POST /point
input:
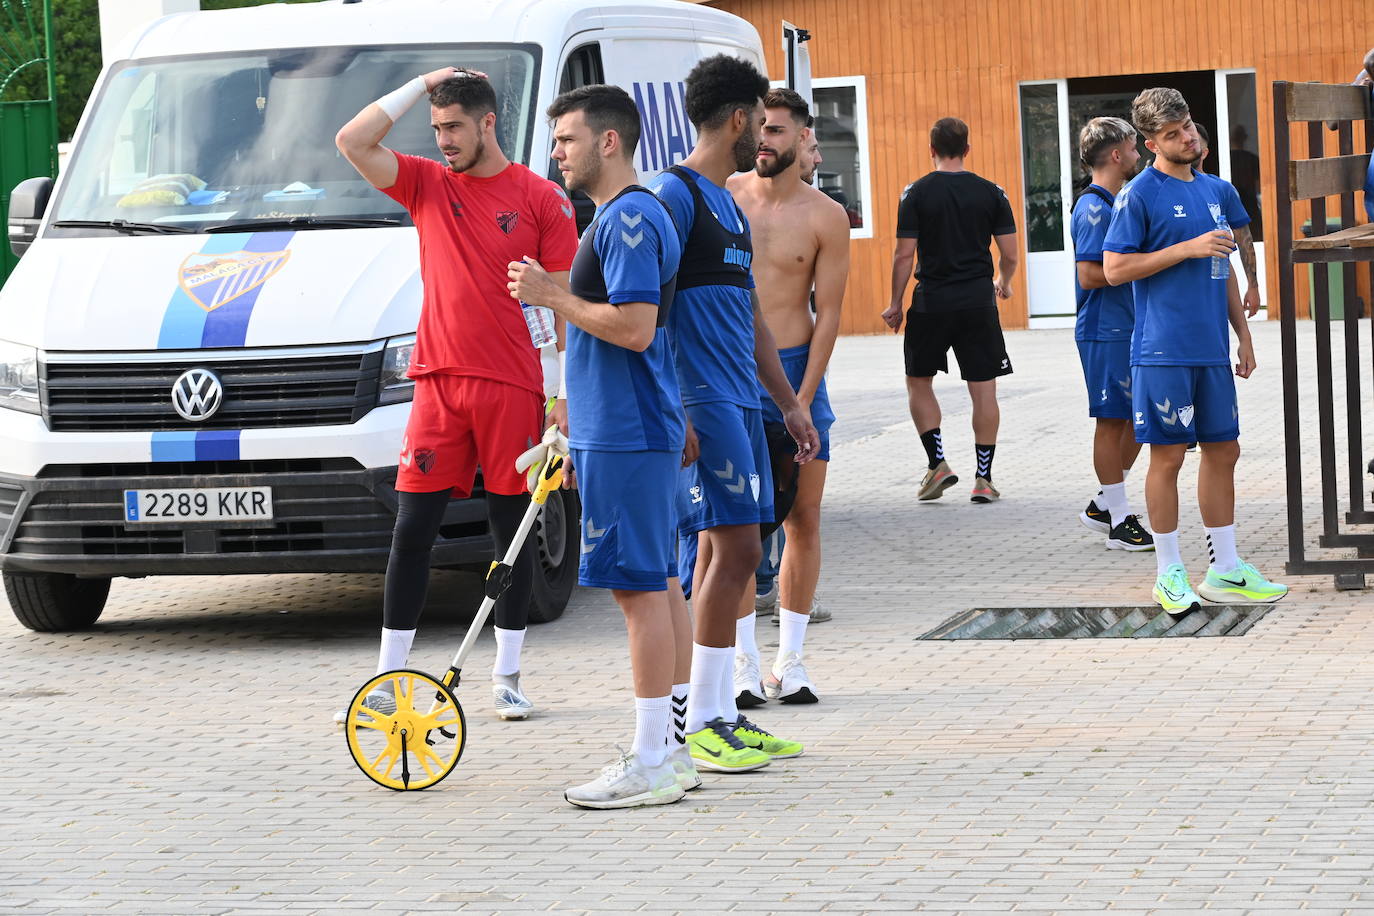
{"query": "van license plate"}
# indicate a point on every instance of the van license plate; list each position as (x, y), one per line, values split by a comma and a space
(201, 504)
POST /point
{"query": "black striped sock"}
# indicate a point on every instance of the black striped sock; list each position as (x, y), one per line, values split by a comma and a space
(985, 453)
(935, 449)
(678, 726)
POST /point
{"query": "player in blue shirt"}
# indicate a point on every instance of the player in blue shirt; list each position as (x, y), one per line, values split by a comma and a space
(1164, 238)
(722, 350)
(626, 425)
(1106, 315)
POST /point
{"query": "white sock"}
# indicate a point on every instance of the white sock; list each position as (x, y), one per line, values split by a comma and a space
(791, 632)
(709, 663)
(1166, 550)
(745, 643)
(652, 715)
(1221, 545)
(728, 710)
(508, 643)
(395, 649)
(1117, 505)
(677, 724)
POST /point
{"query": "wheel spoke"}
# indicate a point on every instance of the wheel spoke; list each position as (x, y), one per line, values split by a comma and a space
(424, 751)
(378, 724)
(374, 765)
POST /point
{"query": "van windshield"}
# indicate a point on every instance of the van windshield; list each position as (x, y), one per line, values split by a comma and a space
(180, 144)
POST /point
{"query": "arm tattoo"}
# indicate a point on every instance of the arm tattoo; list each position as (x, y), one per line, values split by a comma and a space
(1246, 243)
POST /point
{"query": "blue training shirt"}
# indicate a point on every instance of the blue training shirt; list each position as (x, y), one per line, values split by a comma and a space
(620, 400)
(1106, 313)
(1180, 312)
(711, 327)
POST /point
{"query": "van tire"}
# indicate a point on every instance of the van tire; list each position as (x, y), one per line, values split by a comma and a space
(557, 535)
(55, 603)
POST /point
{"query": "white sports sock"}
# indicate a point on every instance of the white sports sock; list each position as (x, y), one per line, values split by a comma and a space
(791, 632)
(728, 710)
(1221, 545)
(709, 664)
(1166, 550)
(508, 643)
(677, 723)
(1117, 505)
(395, 649)
(745, 644)
(652, 715)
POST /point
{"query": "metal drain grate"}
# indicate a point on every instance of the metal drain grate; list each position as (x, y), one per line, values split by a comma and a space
(1097, 622)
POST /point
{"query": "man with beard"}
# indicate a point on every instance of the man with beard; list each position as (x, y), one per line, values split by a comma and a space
(809, 159)
(801, 239)
(722, 350)
(1164, 238)
(479, 389)
(626, 423)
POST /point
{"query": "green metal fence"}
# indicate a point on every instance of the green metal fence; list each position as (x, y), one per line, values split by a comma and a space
(28, 102)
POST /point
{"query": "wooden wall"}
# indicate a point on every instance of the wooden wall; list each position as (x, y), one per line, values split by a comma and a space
(925, 60)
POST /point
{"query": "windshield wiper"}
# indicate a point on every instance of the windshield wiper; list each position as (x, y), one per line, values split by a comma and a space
(302, 222)
(123, 225)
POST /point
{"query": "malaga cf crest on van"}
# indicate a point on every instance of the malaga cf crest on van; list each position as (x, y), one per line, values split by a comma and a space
(213, 280)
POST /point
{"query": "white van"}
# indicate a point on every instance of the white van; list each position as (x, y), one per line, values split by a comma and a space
(203, 349)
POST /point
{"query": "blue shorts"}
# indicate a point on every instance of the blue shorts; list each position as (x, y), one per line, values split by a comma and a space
(1107, 372)
(1181, 404)
(629, 518)
(732, 482)
(794, 360)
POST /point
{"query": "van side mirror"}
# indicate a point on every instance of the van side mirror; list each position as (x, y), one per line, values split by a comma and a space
(28, 203)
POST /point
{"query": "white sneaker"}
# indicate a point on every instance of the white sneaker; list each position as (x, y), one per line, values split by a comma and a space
(685, 768)
(748, 684)
(627, 783)
(380, 700)
(511, 702)
(788, 681)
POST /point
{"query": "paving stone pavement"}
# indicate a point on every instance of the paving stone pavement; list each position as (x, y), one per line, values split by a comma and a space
(180, 757)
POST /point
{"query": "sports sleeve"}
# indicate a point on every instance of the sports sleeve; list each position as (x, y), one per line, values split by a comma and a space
(557, 228)
(410, 177)
(1003, 220)
(627, 244)
(1236, 214)
(1126, 234)
(907, 223)
(673, 191)
(1089, 229)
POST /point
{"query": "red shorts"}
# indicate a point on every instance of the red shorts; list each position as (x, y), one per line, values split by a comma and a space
(458, 422)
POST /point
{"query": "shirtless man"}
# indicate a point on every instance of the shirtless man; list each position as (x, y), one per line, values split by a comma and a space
(801, 238)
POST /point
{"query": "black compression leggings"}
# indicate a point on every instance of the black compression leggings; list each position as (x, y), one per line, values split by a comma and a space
(418, 517)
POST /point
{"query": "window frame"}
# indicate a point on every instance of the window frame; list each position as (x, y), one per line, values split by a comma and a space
(859, 84)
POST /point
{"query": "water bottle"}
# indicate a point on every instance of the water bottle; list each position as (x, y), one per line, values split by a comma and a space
(1221, 267)
(540, 322)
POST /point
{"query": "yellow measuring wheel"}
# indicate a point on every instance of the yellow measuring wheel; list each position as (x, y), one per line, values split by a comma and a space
(405, 729)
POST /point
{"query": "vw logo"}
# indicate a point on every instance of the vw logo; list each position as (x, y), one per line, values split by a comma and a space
(196, 394)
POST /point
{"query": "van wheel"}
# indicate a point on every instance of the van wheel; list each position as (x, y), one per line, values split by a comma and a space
(55, 603)
(557, 533)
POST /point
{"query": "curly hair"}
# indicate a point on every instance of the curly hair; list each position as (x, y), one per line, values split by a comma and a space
(604, 108)
(472, 93)
(1154, 108)
(719, 86)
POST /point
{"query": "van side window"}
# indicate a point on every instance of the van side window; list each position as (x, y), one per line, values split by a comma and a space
(582, 68)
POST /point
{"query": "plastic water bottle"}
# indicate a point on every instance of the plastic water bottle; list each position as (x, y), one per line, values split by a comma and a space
(1221, 267)
(540, 322)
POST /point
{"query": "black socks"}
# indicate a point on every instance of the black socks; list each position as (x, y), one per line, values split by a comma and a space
(985, 453)
(935, 449)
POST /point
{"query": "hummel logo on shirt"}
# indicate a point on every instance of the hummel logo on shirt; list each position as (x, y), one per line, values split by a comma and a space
(1179, 212)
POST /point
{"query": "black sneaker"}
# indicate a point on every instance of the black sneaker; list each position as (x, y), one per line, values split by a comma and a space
(1130, 535)
(1095, 518)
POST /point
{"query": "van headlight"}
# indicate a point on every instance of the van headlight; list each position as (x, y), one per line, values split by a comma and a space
(395, 387)
(19, 378)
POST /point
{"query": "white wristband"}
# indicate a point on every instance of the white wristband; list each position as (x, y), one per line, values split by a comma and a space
(562, 375)
(398, 102)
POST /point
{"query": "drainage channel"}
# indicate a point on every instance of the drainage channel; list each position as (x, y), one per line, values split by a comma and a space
(1097, 622)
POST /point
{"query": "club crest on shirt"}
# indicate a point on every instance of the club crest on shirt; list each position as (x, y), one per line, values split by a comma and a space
(507, 219)
(424, 459)
(1215, 210)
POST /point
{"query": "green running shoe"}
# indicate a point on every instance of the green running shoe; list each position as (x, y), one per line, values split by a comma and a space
(715, 747)
(1173, 592)
(770, 744)
(1244, 583)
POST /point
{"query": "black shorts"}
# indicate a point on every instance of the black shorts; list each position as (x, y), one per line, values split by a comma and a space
(975, 335)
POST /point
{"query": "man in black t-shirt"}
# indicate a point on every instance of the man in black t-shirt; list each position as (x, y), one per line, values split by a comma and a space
(950, 219)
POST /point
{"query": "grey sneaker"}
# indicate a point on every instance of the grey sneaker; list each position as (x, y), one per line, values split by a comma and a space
(627, 783)
(768, 603)
(379, 700)
(511, 702)
(819, 613)
(685, 768)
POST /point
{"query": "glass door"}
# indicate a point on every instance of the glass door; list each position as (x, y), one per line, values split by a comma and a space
(1238, 161)
(1047, 178)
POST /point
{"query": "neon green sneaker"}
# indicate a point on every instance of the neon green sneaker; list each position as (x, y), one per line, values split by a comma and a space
(715, 747)
(770, 744)
(1244, 583)
(1173, 592)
